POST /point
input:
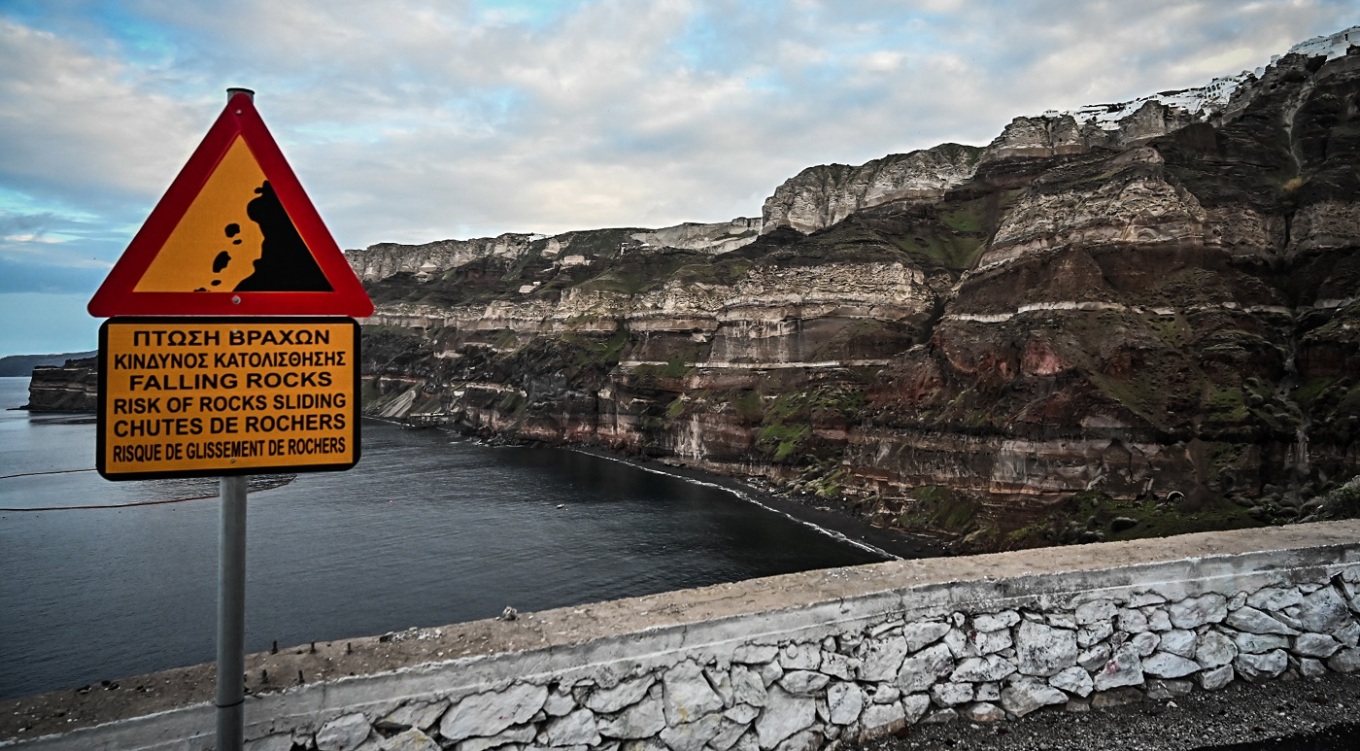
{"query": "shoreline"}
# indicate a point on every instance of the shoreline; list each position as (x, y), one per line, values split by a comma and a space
(825, 519)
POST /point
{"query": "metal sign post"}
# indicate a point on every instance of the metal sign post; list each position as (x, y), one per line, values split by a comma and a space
(231, 615)
(230, 350)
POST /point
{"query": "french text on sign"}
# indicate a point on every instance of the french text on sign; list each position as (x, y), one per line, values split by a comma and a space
(184, 397)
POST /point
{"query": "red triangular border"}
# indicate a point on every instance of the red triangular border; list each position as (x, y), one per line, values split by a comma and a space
(117, 295)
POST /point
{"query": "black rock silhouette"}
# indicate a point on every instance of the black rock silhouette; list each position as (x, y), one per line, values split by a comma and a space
(285, 263)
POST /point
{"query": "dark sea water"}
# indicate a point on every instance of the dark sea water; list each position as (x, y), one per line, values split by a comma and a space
(428, 529)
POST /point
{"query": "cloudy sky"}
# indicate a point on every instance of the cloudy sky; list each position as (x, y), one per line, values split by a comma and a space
(415, 120)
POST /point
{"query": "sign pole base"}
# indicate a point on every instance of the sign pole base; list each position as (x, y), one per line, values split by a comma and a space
(231, 615)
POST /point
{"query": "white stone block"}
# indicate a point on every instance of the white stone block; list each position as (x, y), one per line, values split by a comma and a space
(413, 739)
(914, 707)
(1215, 649)
(990, 642)
(755, 654)
(918, 636)
(844, 701)
(742, 714)
(923, 668)
(1255, 621)
(1324, 611)
(489, 713)
(610, 700)
(838, 665)
(1259, 643)
(1145, 643)
(1345, 661)
(517, 734)
(1311, 668)
(800, 657)
(1042, 650)
(806, 740)
(804, 682)
(980, 669)
(1093, 634)
(1074, 680)
(747, 686)
(343, 733)
(1143, 599)
(1179, 642)
(576, 728)
(885, 694)
(692, 736)
(784, 715)
(1275, 598)
(881, 660)
(422, 715)
(1316, 645)
(1261, 667)
(960, 646)
(1095, 612)
(642, 720)
(1095, 658)
(687, 696)
(1215, 678)
(881, 719)
(1060, 620)
(1158, 620)
(951, 694)
(990, 622)
(558, 704)
(1131, 621)
(1026, 694)
(1194, 612)
(1124, 668)
(1348, 634)
(1168, 665)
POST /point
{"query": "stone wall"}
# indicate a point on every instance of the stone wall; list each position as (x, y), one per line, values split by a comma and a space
(813, 660)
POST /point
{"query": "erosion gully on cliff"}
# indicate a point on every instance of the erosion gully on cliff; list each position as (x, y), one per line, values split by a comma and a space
(1082, 331)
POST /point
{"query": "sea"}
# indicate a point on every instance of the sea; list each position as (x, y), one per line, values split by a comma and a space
(101, 580)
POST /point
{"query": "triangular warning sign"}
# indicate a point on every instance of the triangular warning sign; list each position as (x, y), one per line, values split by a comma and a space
(235, 234)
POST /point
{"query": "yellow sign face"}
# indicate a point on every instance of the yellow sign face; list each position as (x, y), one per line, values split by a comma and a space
(184, 397)
(216, 244)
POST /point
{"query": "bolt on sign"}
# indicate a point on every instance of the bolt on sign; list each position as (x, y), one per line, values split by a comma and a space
(206, 364)
(218, 396)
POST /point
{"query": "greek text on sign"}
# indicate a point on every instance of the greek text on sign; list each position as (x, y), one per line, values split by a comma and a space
(180, 397)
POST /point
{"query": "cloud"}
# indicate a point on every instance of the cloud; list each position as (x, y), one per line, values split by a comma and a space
(413, 121)
(77, 128)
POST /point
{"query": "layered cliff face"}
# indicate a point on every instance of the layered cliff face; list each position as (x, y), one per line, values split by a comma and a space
(1079, 333)
(818, 197)
(73, 387)
(385, 260)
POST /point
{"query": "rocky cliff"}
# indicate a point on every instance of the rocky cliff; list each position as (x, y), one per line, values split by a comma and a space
(1076, 333)
(73, 387)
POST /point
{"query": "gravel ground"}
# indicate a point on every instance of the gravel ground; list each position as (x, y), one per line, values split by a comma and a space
(1320, 714)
